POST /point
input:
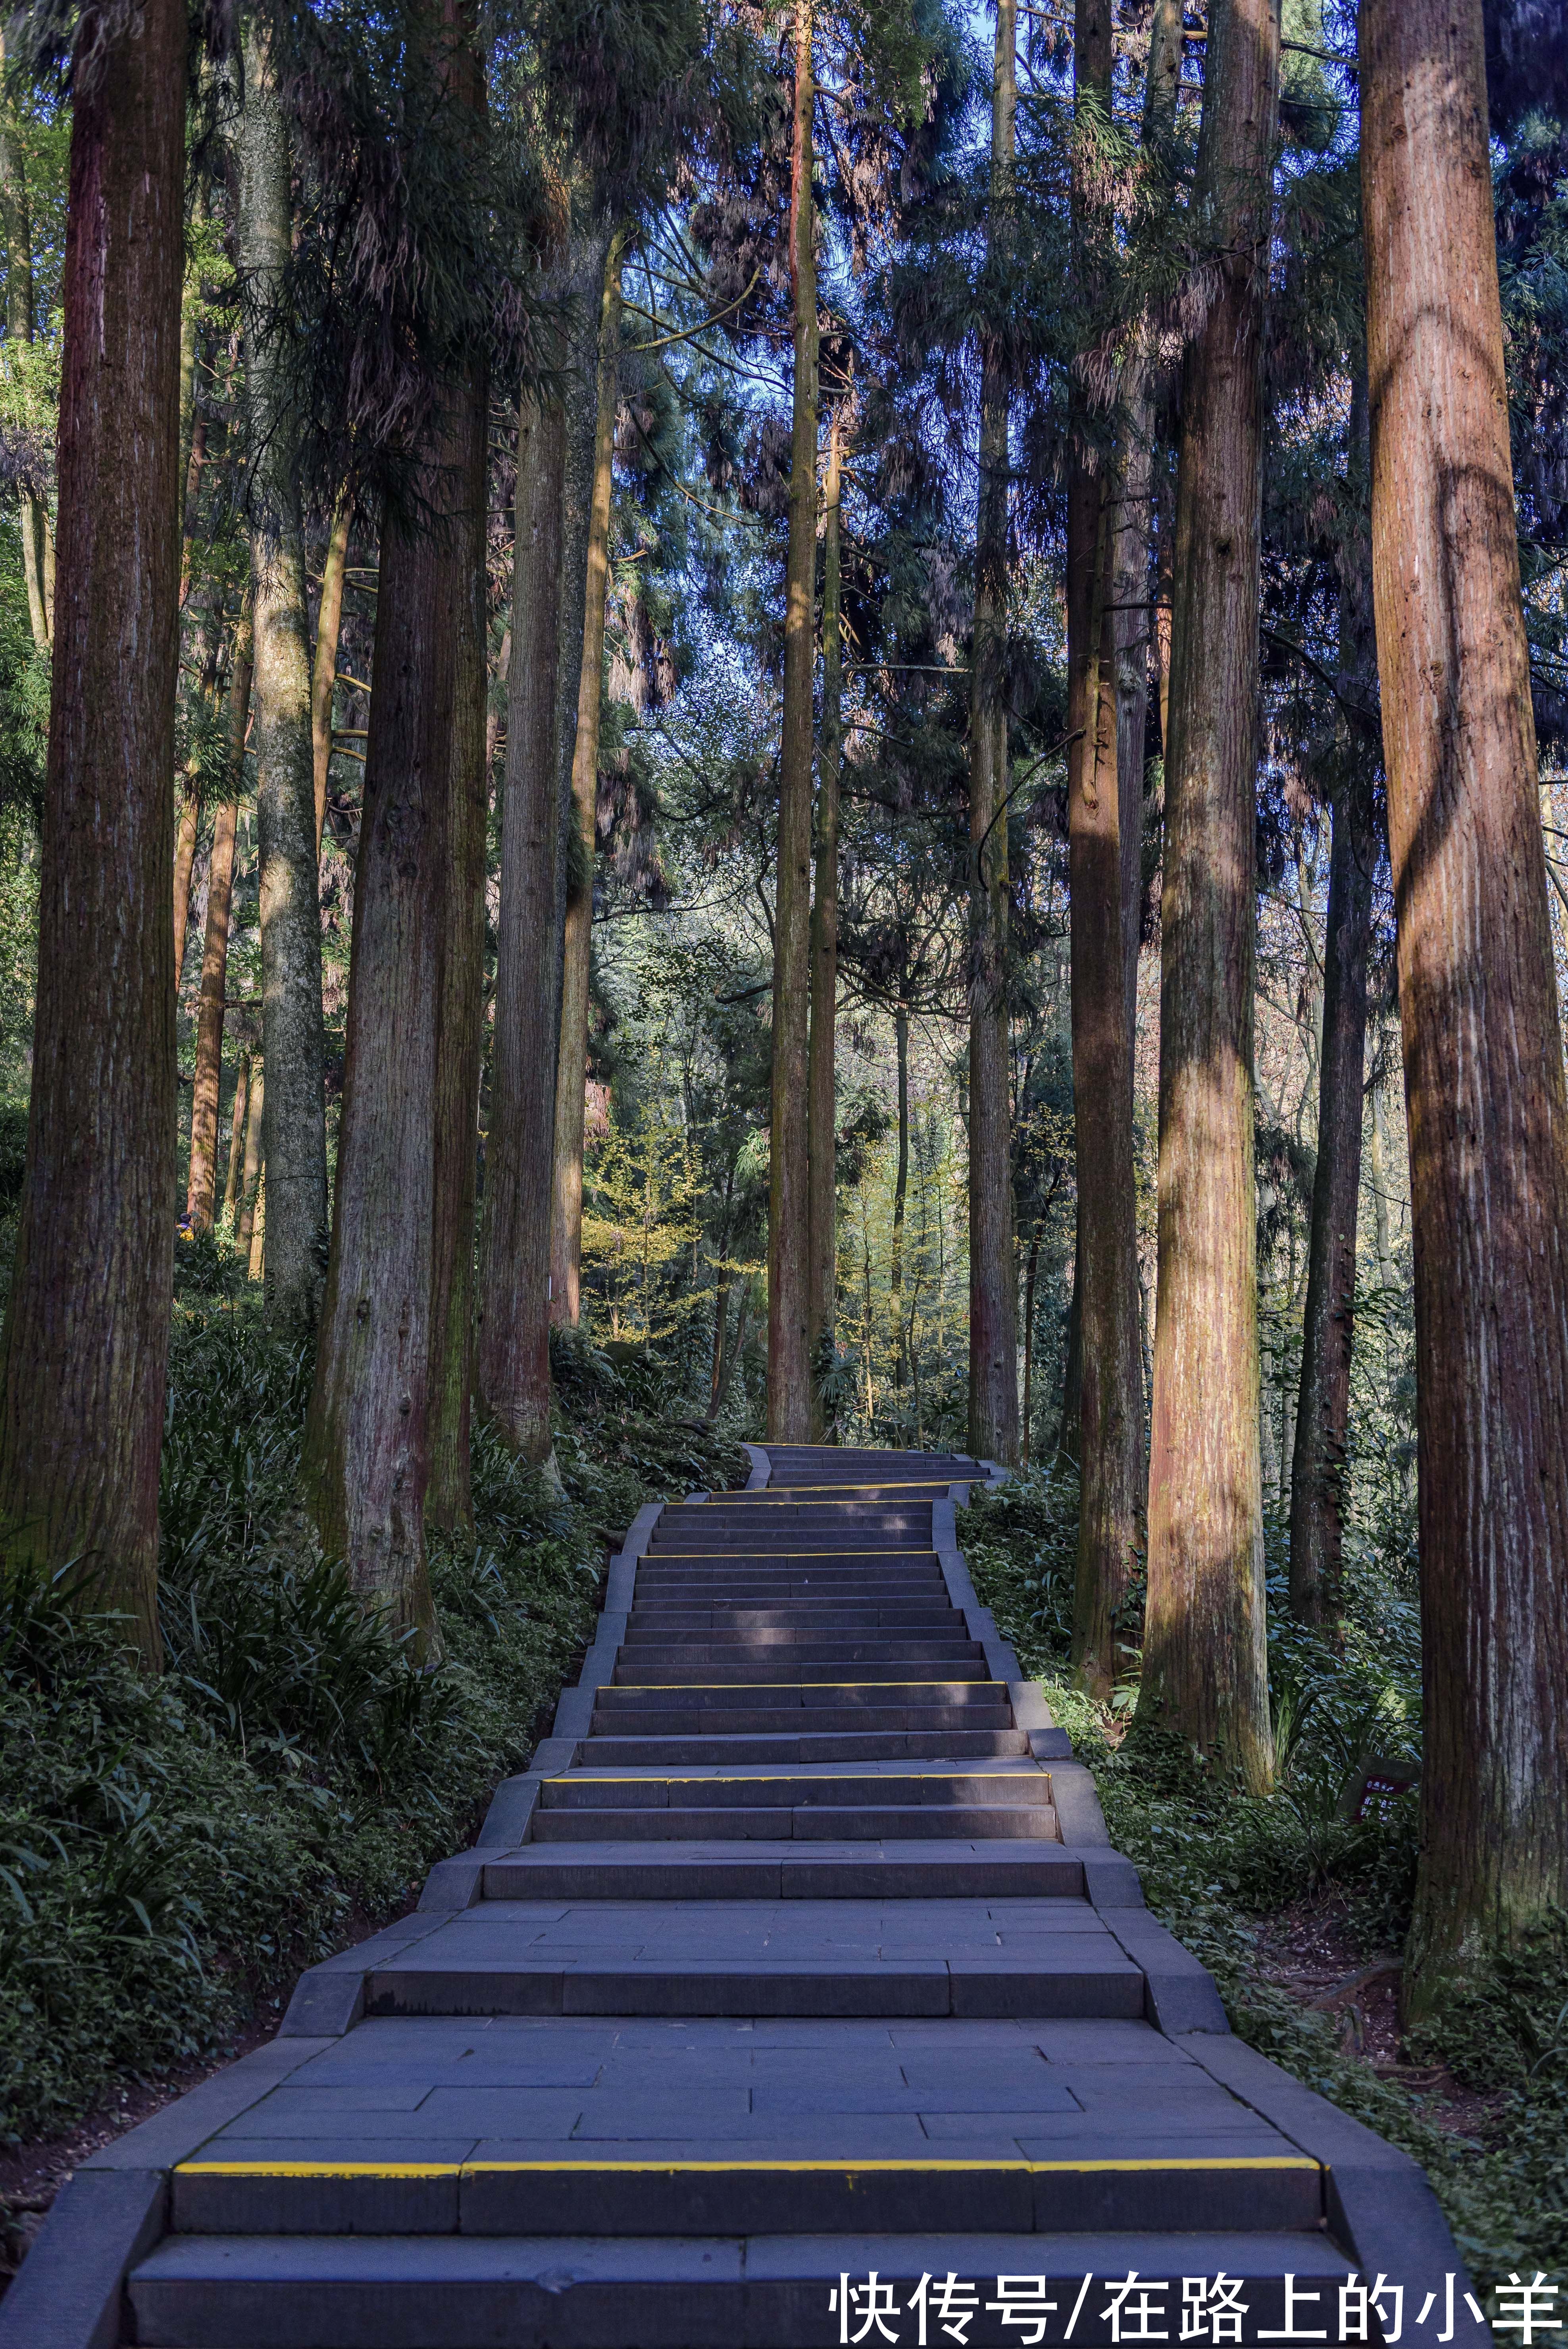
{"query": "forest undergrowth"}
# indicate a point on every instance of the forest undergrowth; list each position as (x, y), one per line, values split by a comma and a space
(174, 1851)
(1489, 2123)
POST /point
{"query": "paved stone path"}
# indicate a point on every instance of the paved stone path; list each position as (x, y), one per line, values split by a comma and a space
(800, 1954)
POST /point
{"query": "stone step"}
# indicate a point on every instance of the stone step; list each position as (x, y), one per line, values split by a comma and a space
(674, 2190)
(825, 1671)
(875, 1745)
(799, 1823)
(590, 1790)
(676, 1720)
(717, 1869)
(811, 1697)
(761, 2291)
(736, 1617)
(792, 1647)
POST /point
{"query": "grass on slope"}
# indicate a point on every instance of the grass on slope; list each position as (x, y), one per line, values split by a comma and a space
(173, 1852)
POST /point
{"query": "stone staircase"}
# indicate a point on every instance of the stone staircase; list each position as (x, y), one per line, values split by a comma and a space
(798, 1967)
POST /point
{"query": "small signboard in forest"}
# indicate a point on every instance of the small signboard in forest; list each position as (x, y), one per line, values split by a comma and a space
(1377, 1786)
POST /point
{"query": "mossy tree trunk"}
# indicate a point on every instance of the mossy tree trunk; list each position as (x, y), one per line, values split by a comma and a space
(324, 663)
(1205, 1671)
(85, 1354)
(1478, 1004)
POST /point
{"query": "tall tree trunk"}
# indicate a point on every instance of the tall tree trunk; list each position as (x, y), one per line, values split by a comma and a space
(295, 1138)
(1031, 1269)
(202, 1187)
(992, 1279)
(87, 1328)
(1322, 1410)
(367, 1456)
(566, 1214)
(513, 1352)
(821, 1109)
(900, 1195)
(324, 665)
(1377, 1154)
(789, 1181)
(236, 1140)
(186, 833)
(251, 1182)
(15, 216)
(1205, 1670)
(1477, 1002)
(1110, 1396)
(448, 1499)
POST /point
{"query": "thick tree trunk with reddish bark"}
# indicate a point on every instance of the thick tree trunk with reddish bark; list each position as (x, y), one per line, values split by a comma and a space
(296, 1136)
(201, 1189)
(513, 1343)
(1205, 1673)
(993, 1278)
(821, 1100)
(1478, 1003)
(566, 1214)
(87, 1328)
(789, 1180)
(323, 664)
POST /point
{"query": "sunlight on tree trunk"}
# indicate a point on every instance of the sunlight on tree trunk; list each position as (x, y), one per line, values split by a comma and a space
(566, 1213)
(251, 1184)
(513, 1338)
(1104, 800)
(15, 217)
(324, 667)
(789, 1204)
(1478, 1002)
(207, 1084)
(1205, 1673)
(993, 1276)
(236, 1140)
(821, 1109)
(87, 1327)
(296, 1142)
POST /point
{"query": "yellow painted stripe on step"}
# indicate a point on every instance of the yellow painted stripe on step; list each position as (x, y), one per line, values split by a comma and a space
(657, 1558)
(768, 1492)
(642, 1686)
(417, 2169)
(781, 1778)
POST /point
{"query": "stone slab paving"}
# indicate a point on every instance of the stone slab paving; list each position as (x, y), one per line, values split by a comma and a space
(794, 1995)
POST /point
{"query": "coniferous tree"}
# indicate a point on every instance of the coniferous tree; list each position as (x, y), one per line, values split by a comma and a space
(87, 1327)
(992, 1279)
(788, 1197)
(294, 1133)
(1477, 1006)
(1204, 1656)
